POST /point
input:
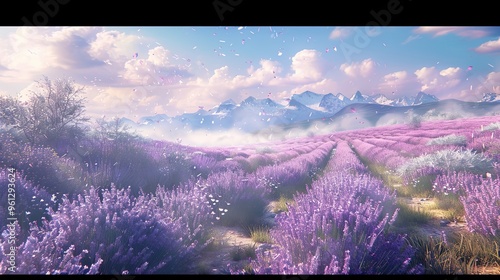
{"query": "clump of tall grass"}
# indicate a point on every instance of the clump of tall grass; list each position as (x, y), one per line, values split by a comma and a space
(452, 139)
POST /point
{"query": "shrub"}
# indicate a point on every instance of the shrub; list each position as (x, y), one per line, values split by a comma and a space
(120, 234)
(337, 227)
(236, 198)
(482, 206)
(452, 139)
(31, 203)
(449, 160)
(491, 126)
(45, 168)
(455, 182)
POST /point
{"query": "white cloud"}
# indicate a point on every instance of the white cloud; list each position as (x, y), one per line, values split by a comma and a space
(155, 70)
(358, 69)
(439, 82)
(489, 47)
(159, 56)
(489, 84)
(114, 46)
(307, 66)
(470, 32)
(394, 80)
(451, 72)
(340, 33)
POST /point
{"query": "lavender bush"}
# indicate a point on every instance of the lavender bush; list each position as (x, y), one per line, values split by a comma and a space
(113, 235)
(291, 176)
(455, 182)
(236, 198)
(45, 168)
(345, 160)
(482, 206)
(32, 203)
(338, 227)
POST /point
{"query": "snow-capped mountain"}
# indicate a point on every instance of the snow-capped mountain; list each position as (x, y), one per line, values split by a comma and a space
(424, 98)
(152, 119)
(361, 98)
(308, 98)
(223, 108)
(490, 97)
(252, 114)
(403, 101)
(382, 99)
(331, 103)
(343, 98)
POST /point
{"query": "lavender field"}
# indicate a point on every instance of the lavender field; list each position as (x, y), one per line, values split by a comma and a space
(139, 206)
(249, 150)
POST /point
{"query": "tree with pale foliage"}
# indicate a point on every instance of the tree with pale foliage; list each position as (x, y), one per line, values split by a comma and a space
(52, 114)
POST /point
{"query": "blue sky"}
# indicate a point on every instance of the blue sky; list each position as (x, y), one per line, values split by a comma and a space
(179, 69)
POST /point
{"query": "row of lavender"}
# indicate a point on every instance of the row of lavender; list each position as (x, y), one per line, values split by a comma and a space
(461, 159)
(338, 226)
(115, 231)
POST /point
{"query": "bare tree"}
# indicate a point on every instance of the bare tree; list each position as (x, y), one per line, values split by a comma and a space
(52, 113)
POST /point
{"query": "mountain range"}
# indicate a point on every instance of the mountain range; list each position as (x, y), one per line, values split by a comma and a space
(253, 115)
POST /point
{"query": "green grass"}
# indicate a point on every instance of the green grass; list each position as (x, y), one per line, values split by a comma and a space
(260, 234)
(460, 254)
(422, 187)
(281, 204)
(411, 216)
(387, 176)
(453, 207)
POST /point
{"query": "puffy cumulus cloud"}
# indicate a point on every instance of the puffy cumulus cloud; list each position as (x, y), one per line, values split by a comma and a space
(26, 53)
(307, 66)
(113, 46)
(439, 82)
(220, 76)
(427, 77)
(358, 69)
(266, 75)
(66, 48)
(340, 33)
(489, 84)
(470, 32)
(30, 52)
(451, 72)
(395, 82)
(159, 56)
(489, 47)
(155, 70)
(475, 87)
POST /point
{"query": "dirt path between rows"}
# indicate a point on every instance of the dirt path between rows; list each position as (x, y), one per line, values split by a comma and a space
(218, 258)
(227, 240)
